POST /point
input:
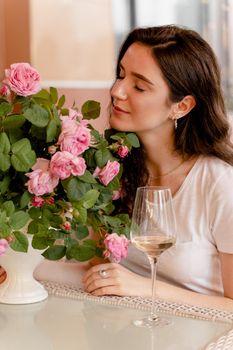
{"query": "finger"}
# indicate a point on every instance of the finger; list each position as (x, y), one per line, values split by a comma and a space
(91, 279)
(92, 276)
(107, 290)
(100, 284)
(96, 269)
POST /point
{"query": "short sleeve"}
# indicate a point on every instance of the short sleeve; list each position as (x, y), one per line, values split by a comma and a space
(221, 212)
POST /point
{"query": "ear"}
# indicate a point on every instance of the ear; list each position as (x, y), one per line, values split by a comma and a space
(184, 106)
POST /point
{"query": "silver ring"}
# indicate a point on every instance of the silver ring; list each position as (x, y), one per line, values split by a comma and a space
(103, 273)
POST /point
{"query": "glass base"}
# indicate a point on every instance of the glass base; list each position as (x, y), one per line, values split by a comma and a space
(151, 322)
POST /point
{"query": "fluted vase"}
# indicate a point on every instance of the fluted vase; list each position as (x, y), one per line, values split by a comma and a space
(20, 286)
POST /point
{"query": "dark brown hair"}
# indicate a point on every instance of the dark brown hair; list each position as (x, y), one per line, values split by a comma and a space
(189, 67)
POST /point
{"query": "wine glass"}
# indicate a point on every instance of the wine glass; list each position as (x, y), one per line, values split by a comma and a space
(153, 230)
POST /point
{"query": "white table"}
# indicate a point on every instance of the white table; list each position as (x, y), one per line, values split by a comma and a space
(73, 320)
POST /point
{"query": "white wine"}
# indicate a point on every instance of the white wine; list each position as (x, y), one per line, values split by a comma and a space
(153, 245)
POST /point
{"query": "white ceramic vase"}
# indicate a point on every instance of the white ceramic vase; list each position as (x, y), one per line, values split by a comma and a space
(20, 287)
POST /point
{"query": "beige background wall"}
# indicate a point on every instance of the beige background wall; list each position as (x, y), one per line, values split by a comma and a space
(71, 42)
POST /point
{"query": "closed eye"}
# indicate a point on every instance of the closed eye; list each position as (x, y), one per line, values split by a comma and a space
(138, 88)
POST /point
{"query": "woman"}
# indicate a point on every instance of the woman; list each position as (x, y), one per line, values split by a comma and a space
(167, 91)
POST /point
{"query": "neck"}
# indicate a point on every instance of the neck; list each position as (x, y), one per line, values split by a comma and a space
(163, 160)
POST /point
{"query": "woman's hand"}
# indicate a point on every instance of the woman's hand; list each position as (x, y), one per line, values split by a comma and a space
(2, 275)
(116, 280)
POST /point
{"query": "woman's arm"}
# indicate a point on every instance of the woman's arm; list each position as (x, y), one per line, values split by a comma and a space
(120, 281)
(227, 274)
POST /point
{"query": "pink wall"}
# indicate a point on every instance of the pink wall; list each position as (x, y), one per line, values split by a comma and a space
(2, 39)
(14, 33)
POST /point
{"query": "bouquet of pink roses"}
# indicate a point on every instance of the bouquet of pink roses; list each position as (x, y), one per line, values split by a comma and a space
(59, 177)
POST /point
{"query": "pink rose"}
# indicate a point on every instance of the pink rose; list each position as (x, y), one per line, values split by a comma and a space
(37, 202)
(3, 246)
(108, 173)
(73, 115)
(117, 246)
(75, 137)
(4, 91)
(116, 195)
(41, 181)
(97, 172)
(123, 151)
(66, 226)
(23, 79)
(41, 164)
(63, 164)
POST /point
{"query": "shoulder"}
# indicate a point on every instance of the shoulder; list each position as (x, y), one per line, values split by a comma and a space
(214, 177)
(214, 168)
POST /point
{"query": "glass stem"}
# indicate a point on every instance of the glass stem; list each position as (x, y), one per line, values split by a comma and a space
(153, 263)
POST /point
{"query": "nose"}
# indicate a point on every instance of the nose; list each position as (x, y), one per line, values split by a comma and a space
(118, 91)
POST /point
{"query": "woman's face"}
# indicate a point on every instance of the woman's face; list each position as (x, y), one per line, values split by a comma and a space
(140, 94)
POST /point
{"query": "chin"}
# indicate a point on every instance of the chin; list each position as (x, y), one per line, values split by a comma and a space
(116, 124)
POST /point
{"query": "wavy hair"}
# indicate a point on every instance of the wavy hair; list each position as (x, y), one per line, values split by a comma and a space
(189, 67)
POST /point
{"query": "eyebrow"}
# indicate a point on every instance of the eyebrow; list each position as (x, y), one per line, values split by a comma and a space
(139, 76)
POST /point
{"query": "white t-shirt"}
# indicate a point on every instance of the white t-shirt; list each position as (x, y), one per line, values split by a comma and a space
(204, 214)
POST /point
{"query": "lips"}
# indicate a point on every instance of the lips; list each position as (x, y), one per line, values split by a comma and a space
(119, 109)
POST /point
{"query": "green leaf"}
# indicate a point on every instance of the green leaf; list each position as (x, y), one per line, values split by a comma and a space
(53, 94)
(87, 177)
(5, 162)
(18, 219)
(102, 156)
(25, 199)
(39, 242)
(97, 136)
(13, 122)
(80, 213)
(9, 207)
(5, 145)
(43, 94)
(3, 217)
(34, 213)
(33, 227)
(114, 184)
(133, 140)
(76, 189)
(124, 218)
(5, 108)
(89, 158)
(89, 198)
(55, 252)
(81, 231)
(15, 135)
(20, 243)
(51, 130)
(82, 252)
(112, 221)
(61, 101)
(23, 157)
(90, 109)
(5, 230)
(4, 184)
(37, 115)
